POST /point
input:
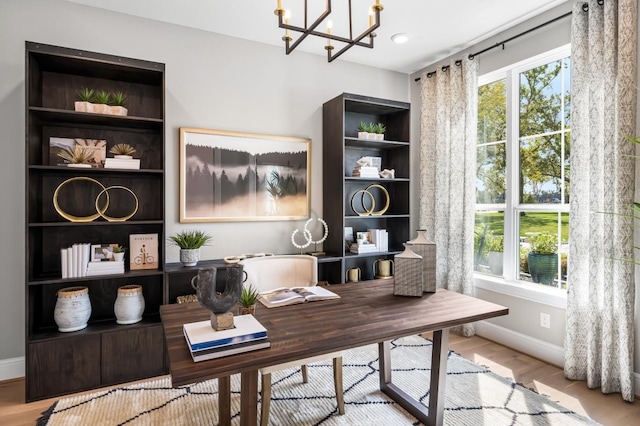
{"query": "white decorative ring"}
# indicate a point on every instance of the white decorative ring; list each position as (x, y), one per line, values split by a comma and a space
(307, 236)
(326, 230)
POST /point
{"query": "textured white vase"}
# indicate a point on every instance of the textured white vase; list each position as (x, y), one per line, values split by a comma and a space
(129, 305)
(189, 257)
(73, 309)
(408, 273)
(427, 249)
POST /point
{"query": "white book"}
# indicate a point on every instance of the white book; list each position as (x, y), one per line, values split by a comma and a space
(118, 163)
(200, 335)
(222, 351)
(74, 260)
(63, 262)
(70, 270)
(85, 249)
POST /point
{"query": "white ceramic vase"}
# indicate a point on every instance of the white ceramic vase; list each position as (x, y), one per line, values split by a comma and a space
(73, 309)
(129, 305)
(189, 257)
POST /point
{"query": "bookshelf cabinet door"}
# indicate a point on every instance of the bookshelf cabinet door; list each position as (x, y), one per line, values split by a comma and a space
(132, 354)
(63, 366)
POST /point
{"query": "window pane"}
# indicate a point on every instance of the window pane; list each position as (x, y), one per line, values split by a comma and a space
(548, 234)
(492, 112)
(488, 239)
(541, 96)
(490, 174)
(541, 169)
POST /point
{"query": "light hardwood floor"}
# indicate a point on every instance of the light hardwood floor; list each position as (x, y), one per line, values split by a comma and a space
(610, 410)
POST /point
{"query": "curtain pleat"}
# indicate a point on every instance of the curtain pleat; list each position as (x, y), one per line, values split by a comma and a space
(599, 336)
(447, 172)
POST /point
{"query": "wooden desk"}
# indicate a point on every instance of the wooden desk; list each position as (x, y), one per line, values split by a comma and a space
(367, 313)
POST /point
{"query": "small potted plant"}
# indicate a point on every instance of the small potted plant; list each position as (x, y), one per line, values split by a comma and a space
(77, 157)
(543, 257)
(118, 100)
(248, 299)
(122, 150)
(85, 99)
(363, 130)
(379, 130)
(118, 253)
(190, 242)
(102, 99)
(495, 247)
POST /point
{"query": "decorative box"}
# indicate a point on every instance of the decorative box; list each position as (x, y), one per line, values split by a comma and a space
(408, 273)
(427, 249)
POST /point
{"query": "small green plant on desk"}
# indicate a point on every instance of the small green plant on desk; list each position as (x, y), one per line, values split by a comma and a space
(248, 299)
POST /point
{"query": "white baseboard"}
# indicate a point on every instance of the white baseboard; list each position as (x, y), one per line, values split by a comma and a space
(537, 348)
(11, 368)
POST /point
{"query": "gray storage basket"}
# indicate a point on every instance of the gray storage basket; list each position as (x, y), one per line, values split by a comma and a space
(408, 273)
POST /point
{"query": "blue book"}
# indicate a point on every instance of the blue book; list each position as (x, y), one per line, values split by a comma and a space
(200, 335)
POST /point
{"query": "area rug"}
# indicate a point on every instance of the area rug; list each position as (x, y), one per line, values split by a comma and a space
(474, 396)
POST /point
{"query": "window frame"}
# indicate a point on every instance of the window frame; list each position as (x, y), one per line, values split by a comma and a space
(509, 284)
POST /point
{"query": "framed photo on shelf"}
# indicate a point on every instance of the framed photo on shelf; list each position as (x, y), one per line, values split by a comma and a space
(233, 177)
(97, 146)
(102, 252)
(143, 251)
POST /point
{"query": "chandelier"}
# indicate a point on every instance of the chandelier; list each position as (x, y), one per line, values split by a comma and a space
(283, 22)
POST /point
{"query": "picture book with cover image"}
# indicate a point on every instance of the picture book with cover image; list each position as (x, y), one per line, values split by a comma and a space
(292, 295)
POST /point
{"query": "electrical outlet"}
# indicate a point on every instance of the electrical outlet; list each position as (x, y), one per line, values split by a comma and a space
(545, 320)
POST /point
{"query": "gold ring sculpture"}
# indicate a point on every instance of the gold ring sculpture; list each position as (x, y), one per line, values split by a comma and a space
(72, 218)
(115, 219)
(371, 211)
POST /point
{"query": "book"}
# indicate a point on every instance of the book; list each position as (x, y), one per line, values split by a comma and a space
(105, 268)
(143, 251)
(292, 295)
(200, 335)
(237, 348)
(118, 163)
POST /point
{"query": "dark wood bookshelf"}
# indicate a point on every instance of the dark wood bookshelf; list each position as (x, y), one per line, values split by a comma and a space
(342, 148)
(104, 353)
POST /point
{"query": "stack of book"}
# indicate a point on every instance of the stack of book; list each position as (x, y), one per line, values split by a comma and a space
(363, 248)
(380, 237)
(105, 268)
(206, 343)
(74, 259)
(365, 172)
(122, 163)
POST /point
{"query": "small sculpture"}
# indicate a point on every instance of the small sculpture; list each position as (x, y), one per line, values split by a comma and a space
(219, 302)
(388, 173)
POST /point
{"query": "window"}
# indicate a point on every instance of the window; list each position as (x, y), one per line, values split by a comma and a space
(523, 171)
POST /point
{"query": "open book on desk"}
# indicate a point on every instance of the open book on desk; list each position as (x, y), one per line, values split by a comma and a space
(292, 295)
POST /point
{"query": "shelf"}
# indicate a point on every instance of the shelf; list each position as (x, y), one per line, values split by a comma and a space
(93, 170)
(68, 117)
(372, 254)
(384, 216)
(357, 179)
(368, 143)
(95, 223)
(98, 327)
(127, 275)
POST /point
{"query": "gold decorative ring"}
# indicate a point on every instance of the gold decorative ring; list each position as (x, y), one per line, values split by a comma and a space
(386, 205)
(106, 192)
(72, 218)
(367, 212)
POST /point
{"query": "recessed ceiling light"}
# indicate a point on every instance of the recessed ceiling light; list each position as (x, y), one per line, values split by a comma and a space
(400, 38)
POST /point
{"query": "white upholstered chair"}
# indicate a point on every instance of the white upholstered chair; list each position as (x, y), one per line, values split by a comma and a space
(271, 272)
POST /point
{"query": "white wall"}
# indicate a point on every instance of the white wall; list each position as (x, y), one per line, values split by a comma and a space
(212, 81)
(521, 326)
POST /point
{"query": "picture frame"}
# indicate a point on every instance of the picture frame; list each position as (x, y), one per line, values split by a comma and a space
(97, 146)
(102, 252)
(234, 177)
(143, 251)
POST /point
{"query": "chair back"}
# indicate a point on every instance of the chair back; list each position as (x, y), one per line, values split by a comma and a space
(271, 272)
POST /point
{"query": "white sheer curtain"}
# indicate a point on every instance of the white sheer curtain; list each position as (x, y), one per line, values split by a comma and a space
(448, 128)
(600, 301)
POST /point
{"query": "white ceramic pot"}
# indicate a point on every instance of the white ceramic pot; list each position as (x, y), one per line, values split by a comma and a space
(81, 106)
(118, 110)
(123, 157)
(73, 309)
(129, 304)
(363, 135)
(118, 257)
(189, 257)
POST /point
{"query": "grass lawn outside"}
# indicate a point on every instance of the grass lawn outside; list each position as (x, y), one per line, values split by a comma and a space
(530, 222)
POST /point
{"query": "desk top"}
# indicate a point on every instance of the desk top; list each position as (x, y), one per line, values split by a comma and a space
(366, 313)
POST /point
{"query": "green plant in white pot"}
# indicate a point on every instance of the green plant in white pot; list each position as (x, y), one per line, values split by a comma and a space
(495, 247)
(190, 242)
(543, 257)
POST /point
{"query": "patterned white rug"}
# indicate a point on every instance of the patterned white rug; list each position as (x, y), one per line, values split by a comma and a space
(474, 396)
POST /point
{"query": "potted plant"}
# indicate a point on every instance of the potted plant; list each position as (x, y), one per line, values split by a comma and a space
(543, 257)
(379, 130)
(77, 157)
(102, 99)
(495, 247)
(122, 150)
(85, 99)
(248, 299)
(190, 242)
(363, 130)
(118, 100)
(118, 253)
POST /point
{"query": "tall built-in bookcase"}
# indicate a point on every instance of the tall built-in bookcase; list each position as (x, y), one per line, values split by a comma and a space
(341, 149)
(104, 353)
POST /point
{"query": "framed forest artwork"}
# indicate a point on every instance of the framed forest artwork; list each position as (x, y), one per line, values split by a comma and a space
(232, 177)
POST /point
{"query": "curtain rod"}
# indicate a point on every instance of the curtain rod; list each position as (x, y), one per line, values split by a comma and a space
(585, 7)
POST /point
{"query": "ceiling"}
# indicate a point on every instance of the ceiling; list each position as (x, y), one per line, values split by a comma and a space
(436, 29)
